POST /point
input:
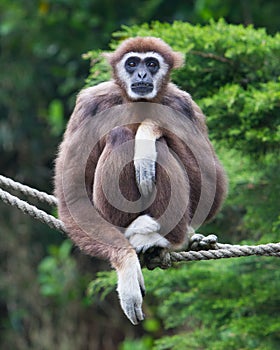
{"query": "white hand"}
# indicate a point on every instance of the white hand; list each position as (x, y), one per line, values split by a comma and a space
(145, 156)
(145, 173)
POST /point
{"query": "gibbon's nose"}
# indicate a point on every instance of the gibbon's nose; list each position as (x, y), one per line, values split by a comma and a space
(142, 75)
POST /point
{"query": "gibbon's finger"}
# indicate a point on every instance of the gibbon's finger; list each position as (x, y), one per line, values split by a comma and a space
(134, 313)
(132, 306)
(199, 242)
(138, 314)
(145, 171)
(143, 291)
(143, 242)
(141, 282)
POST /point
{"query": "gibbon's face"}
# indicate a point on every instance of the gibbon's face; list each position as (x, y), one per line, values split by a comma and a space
(142, 74)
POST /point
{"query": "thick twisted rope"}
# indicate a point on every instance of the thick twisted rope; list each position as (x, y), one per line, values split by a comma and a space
(32, 211)
(270, 249)
(28, 191)
(165, 260)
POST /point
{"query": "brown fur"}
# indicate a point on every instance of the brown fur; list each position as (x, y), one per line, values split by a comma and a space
(145, 44)
(102, 238)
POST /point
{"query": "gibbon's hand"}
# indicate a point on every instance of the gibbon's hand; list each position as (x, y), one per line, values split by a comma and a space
(145, 172)
(131, 290)
(145, 156)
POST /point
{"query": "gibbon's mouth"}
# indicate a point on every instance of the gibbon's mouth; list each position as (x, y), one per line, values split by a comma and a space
(142, 88)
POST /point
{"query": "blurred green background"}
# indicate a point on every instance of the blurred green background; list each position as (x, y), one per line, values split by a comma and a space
(47, 299)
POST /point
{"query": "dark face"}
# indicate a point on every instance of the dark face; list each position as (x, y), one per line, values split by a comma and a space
(141, 72)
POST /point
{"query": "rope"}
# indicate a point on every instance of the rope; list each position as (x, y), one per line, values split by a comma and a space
(32, 211)
(28, 191)
(164, 260)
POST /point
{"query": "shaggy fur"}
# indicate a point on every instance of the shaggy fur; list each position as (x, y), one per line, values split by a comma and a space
(105, 237)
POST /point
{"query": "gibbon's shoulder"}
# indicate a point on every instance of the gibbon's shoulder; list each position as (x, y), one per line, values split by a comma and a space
(100, 97)
(93, 100)
(182, 101)
(178, 100)
(100, 89)
(174, 90)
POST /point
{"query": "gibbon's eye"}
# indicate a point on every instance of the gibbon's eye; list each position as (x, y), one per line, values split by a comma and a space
(152, 64)
(131, 63)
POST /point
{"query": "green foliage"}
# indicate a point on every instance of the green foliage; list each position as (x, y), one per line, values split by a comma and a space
(247, 116)
(99, 68)
(252, 206)
(58, 275)
(220, 305)
(55, 117)
(145, 343)
(213, 305)
(102, 285)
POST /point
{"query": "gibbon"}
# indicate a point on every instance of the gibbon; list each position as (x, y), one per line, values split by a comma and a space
(126, 179)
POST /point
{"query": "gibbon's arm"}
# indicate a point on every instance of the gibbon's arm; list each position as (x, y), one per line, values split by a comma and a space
(221, 177)
(89, 231)
(145, 156)
(215, 167)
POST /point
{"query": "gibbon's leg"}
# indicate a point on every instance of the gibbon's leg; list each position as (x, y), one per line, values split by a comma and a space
(99, 233)
(114, 186)
(143, 234)
(131, 288)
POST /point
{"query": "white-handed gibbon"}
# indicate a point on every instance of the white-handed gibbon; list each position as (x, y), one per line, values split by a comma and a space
(146, 160)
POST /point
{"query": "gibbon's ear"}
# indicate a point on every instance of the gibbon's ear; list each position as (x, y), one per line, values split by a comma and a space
(108, 56)
(111, 58)
(179, 60)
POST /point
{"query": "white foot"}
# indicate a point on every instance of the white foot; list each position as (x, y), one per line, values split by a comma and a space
(131, 290)
(144, 224)
(141, 243)
(142, 234)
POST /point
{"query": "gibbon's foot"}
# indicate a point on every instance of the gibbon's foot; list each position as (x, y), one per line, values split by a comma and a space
(131, 290)
(145, 171)
(142, 242)
(201, 242)
(142, 234)
(144, 224)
